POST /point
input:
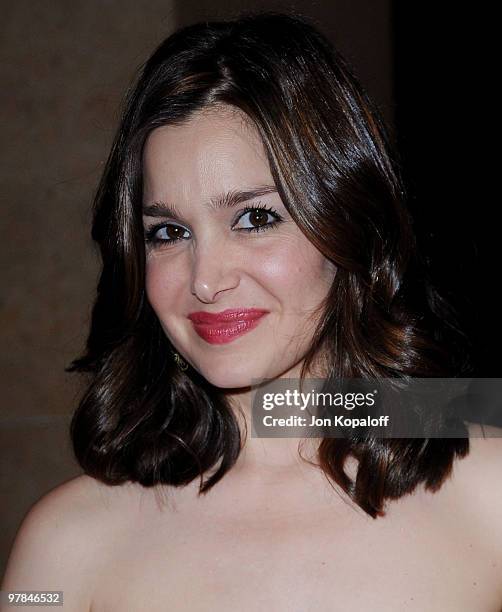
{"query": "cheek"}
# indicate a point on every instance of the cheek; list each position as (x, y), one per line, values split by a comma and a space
(163, 284)
(298, 274)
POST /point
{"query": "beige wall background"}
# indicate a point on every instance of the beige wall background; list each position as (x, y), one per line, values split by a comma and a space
(66, 66)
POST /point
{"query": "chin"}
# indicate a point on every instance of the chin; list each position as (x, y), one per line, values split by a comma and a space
(228, 378)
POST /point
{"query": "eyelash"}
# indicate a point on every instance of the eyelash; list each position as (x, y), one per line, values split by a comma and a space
(154, 242)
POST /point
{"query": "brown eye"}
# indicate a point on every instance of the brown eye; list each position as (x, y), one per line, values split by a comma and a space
(258, 218)
(165, 234)
(174, 232)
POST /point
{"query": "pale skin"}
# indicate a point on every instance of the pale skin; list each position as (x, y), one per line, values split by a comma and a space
(273, 534)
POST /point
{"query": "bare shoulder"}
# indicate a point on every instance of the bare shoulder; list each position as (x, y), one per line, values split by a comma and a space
(485, 455)
(479, 478)
(59, 540)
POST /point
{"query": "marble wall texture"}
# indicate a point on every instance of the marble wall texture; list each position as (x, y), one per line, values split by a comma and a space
(66, 66)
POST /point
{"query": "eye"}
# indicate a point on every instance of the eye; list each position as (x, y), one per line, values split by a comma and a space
(165, 233)
(257, 218)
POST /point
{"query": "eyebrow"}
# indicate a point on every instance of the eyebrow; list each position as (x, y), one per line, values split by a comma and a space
(224, 201)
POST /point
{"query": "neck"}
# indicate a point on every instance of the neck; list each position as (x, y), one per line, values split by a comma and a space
(269, 456)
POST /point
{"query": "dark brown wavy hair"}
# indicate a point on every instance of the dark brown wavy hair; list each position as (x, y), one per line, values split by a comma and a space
(144, 420)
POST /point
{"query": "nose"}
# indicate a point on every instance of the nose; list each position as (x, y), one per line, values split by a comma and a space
(214, 271)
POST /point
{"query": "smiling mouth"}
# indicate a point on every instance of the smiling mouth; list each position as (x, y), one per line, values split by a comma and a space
(221, 332)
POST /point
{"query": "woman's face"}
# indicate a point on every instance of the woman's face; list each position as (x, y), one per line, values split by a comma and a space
(199, 179)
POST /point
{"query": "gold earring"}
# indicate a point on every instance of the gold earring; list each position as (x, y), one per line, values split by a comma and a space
(183, 365)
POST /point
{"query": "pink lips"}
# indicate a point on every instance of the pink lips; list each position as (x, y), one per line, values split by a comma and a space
(225, 326)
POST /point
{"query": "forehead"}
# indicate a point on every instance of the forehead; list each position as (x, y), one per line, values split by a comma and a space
(215, 149)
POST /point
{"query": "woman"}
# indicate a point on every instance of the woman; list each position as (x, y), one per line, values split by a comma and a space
(252, 225)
